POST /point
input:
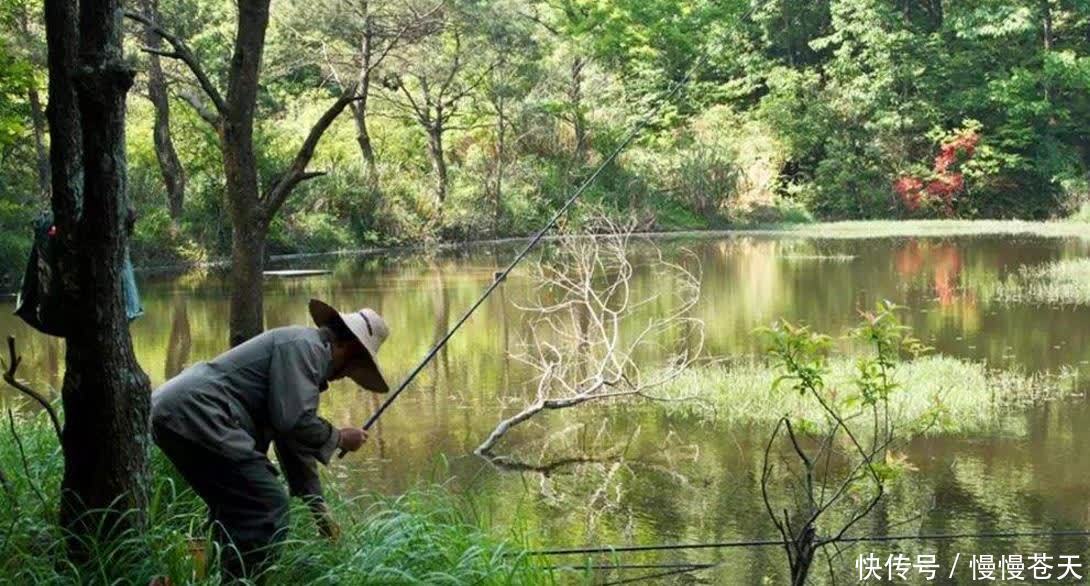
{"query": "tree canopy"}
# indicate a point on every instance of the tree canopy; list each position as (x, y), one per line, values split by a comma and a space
(472, 118)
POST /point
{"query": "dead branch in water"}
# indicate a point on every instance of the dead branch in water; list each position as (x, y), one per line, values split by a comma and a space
(589, 330)
(9, 376)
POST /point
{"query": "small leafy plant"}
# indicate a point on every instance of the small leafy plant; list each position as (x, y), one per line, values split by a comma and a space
(832, 475)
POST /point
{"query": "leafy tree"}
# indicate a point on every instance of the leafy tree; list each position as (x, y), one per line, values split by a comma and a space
(232, 113)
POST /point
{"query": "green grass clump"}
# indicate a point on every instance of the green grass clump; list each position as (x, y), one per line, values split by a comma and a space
(956, 395)
(1062, 282)
(426, 536)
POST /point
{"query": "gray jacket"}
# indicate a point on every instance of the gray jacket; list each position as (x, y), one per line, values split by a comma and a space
(260, 392)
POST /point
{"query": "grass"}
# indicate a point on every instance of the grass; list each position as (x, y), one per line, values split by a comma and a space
(1062, 282)
(965, 396)
(427, 536)
(1076, 228)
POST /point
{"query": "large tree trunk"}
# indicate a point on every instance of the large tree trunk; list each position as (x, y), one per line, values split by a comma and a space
(37, 121)
(171, 168)
(248, 233)
(248, 221)
(438, 161)
(247, 292)
(105, 392)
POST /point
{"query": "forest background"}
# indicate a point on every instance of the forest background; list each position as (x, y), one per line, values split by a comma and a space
(473, 119)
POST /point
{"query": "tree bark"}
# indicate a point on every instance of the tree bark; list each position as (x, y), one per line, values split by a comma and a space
(438, 161)
(247, 280)
(37, 121)
(248, 222)
(363, 137)
(105, 393)
(359, 108)
(174, 178)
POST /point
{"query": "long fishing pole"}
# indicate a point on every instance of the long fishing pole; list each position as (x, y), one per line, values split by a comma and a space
(643, 122)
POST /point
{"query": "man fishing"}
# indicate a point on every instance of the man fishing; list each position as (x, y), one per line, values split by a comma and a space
(216, 419)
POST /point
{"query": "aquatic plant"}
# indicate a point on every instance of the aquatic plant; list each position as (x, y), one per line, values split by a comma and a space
(971, 396)
(1061, 282)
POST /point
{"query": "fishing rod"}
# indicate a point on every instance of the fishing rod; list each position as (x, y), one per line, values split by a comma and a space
(779, 542)
(499, 277)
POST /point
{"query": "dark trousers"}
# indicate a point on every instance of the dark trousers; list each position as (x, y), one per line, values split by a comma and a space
(247, 505)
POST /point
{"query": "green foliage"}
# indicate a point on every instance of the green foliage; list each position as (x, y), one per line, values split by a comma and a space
(802, 358)
(801, 110)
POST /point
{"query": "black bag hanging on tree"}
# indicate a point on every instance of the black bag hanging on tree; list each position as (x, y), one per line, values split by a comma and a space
(41, 295)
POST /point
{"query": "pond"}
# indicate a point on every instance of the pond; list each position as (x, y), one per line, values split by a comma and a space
(633, 474)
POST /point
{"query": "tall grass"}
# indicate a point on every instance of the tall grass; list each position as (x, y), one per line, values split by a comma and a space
(1062, 282)
(954, 395)
(426, 536)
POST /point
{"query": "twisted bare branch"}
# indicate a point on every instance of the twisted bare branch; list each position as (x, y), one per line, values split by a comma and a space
(9, 377)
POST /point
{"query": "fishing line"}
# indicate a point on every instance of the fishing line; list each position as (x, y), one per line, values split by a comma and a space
(780, 542)
(499, 277)
(677, 568)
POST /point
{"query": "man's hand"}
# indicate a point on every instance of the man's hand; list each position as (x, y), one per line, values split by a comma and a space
(351, 439)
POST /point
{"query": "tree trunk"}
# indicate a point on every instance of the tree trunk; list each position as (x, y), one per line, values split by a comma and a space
(248, 222)
(363, 136)
(438, 161)
(575, 96)
(501, 154)
(247, 280)
(248, 235)
(37, 120)
(171, 168)
(359, 108)
(105, 393)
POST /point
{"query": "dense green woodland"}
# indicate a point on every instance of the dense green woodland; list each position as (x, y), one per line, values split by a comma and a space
(473, 119)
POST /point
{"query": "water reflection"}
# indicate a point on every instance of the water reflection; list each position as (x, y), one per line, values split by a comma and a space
(680, 480)
(179, 342)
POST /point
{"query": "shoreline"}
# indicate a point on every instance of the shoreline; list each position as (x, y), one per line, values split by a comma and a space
(851, 229)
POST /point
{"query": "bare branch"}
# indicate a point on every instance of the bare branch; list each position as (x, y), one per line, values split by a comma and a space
(581, 341)
(10, 377)
(297, 171)
(194, 100)
(185, 55)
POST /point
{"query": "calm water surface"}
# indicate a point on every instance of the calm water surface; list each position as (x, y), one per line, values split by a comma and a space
(652, 478)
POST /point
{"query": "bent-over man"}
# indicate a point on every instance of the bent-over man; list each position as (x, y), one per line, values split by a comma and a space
(216, 419)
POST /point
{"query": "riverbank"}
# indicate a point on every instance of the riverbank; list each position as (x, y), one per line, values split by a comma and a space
(837, 230)
(832, 230)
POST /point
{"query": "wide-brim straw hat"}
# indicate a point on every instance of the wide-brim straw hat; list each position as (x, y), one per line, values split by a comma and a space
(370, 329)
